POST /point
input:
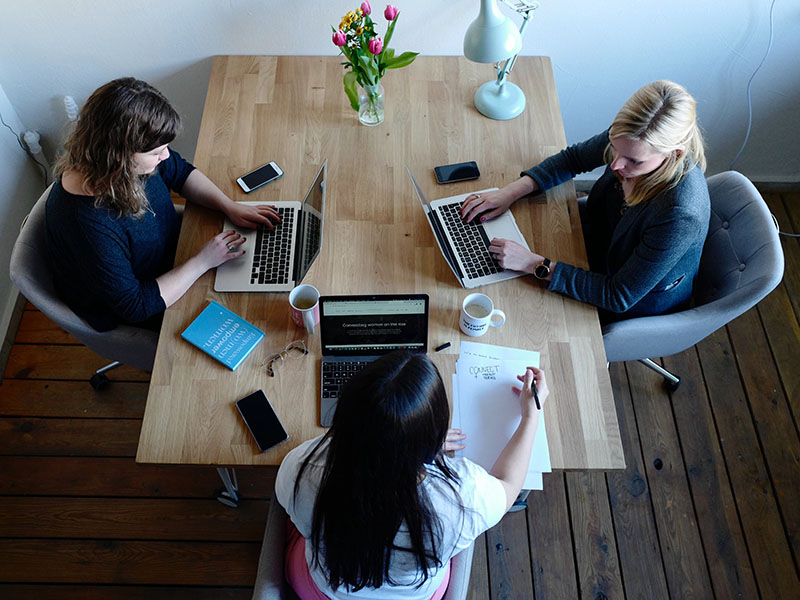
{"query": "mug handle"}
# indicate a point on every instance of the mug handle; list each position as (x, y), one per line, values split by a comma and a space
(308, 320)
(501, 314)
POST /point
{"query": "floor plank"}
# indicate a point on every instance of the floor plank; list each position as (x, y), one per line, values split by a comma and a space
(127, 562)
(509, 559)
(48, 398)
(132, 519)
(682, 551)
(641, 562)
(121, 477)
(769, 550)
(720, 531)
(104, 592)
(69, 437)
(50, 361)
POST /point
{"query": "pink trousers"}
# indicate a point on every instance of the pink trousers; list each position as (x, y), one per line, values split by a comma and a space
(297, 574)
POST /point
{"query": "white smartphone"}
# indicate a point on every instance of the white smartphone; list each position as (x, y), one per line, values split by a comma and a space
(260, 176)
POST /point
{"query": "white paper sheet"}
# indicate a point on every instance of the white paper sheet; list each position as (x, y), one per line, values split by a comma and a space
(486, 408)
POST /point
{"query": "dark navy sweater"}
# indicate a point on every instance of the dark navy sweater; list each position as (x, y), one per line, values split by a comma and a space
(105, 266)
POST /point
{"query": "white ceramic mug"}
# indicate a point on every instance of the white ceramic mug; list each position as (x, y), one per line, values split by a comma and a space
(304, 303)
(478, 314)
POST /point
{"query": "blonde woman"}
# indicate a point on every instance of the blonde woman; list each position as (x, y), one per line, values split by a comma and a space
(646, 218)
(110, 224)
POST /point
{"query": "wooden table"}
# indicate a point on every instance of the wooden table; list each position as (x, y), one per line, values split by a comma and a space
(293, 110)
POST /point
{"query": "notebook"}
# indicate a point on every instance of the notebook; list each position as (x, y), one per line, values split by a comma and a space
(356, 330)
(277, 260)
(465, 245)
(222, 334)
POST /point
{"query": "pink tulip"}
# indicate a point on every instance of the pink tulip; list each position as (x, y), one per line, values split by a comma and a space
(390, 13)
(339, 38)
(366, 8)
(376, 45)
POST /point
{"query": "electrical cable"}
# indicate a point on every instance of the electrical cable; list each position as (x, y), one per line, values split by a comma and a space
(25, 149)
(750, 108)
(749, 85)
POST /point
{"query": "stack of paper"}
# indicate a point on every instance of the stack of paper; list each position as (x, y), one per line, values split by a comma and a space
(486, 408)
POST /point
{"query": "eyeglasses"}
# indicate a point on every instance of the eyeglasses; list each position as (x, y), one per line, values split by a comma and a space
(296, 349)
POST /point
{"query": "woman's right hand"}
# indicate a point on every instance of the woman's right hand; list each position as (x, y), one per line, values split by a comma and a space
(532, 376)
(487, 205)
(221, 248)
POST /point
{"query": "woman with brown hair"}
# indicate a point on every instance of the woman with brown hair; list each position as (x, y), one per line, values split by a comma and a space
(111, 227)
(646, 217)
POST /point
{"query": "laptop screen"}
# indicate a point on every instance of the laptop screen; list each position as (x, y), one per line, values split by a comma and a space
(309, 232)
(370, 325)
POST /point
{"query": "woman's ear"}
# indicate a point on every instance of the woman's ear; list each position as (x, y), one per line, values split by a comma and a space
(678, 152)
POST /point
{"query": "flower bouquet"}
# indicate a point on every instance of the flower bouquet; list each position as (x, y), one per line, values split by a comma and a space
(368, 56)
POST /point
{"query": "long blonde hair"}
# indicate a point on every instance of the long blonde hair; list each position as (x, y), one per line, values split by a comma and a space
(663, 115)
(120, 118)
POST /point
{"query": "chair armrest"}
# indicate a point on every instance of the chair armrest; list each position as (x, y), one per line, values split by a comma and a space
(460, 568)
(270, 582)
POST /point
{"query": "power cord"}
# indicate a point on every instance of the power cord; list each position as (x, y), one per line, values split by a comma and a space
(750, 84)
(750, 109)
(26, 150)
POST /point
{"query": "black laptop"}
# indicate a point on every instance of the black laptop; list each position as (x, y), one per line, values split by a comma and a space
(355, 330)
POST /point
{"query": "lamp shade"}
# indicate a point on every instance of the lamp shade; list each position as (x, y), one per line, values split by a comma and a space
(491, 37)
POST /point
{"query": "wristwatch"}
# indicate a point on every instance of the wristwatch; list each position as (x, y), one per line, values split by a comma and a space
(542, 270)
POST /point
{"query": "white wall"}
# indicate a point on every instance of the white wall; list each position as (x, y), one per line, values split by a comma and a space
(601, 51)
(21, 183)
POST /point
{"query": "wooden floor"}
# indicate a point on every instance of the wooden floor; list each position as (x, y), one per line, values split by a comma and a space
(709, 506)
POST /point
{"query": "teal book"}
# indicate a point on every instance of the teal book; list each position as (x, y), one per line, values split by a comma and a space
(224, 335)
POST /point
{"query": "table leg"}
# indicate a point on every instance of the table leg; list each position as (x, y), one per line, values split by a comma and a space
(230, 495)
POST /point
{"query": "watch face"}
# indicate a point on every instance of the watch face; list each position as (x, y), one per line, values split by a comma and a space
(541, 271)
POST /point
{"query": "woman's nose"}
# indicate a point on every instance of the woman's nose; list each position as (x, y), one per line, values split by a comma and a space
(617, 164)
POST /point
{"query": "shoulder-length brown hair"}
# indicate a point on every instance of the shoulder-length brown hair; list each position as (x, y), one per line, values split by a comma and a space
(663, 115)
(121, 118)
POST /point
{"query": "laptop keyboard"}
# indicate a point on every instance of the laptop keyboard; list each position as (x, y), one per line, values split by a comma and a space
(336, 374)
(313, 233)
(470, 242)
(272, 251)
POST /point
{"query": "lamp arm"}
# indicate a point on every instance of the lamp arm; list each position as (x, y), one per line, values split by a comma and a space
(509, 64)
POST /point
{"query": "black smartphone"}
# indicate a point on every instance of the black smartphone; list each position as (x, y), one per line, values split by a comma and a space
(457, 172)
(261, 420)
(260, 176)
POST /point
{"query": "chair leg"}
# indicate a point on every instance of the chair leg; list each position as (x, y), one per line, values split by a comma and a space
(99, 379)
(671, 381)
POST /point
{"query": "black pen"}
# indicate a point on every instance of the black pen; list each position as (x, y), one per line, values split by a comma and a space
(536, 395)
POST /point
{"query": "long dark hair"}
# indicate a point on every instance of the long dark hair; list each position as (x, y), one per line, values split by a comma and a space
(120, 118)
(391, 420)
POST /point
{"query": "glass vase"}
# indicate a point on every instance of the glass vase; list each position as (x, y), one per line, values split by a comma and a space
(370, 104)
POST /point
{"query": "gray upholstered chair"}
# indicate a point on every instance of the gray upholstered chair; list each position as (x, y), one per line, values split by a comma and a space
(31, 273)
(271, 584)
(742, 262)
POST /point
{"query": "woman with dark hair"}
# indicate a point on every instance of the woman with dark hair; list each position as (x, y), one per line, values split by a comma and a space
(646, 217)
(377, 509)
(111, 227)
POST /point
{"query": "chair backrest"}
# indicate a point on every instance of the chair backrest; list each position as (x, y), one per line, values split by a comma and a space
(271, 584)
(31, 273)
(742, 262)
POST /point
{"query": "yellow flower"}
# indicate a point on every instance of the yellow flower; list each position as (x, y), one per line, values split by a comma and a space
(342, 25)
(359, 12)
(351, 15)
(359, 30)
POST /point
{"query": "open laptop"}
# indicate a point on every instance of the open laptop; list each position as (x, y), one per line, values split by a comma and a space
(356, 330)
(465, 245)
(277, 260)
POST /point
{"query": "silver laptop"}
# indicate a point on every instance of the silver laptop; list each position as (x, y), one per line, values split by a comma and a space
(277, 260)
(356, 330)
(465, 246)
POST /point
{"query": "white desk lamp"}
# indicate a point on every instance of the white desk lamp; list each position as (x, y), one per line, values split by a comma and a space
(492, 38)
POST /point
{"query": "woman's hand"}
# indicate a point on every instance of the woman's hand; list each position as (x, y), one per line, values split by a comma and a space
(453, 440)
(512, 256)
(249, 216)
(221, 248)
(487, 205)
(528, 403)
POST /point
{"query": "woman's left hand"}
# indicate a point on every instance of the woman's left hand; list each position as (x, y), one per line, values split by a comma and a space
(250, 216)
(512, 256)
(453, 440)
